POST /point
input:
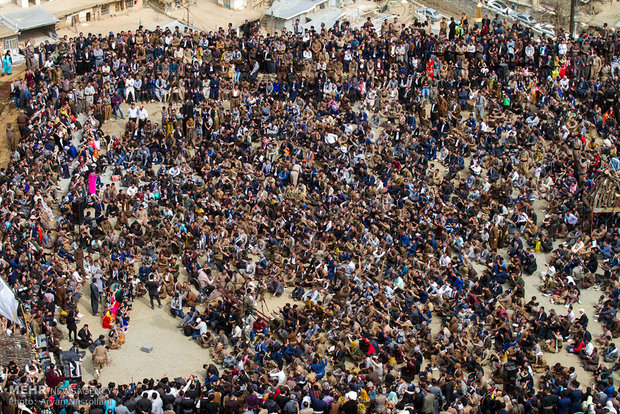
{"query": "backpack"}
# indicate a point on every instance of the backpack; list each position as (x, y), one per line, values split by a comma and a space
(187, 330)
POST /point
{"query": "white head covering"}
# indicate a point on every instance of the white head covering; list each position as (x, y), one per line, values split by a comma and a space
(351, 395)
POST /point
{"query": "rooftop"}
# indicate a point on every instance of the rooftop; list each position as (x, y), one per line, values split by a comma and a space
(288, 9)
(27, 19)
(172, 25)
(58, 8)
(328, 15)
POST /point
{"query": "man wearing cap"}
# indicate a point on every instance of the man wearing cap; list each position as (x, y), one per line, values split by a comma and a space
(200, 328)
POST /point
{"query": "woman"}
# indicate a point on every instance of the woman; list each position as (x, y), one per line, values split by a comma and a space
(7, 63)
(117, 336)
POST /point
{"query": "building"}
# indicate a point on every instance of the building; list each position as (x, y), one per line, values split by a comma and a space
(8, 39)
(283, 13)
(82, 11)
(31, 23)
(233, 4)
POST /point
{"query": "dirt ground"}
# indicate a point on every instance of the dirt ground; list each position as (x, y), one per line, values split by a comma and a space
(8, 112)
(204, 15)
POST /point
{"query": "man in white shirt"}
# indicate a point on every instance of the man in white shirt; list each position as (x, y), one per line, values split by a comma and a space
(444, 260)
(157, 404)
(132, 113)
(130, 90)
(132, 190)
(142, 116)
(278, 374)
(89, 93)
(199, 329)
(235, 334)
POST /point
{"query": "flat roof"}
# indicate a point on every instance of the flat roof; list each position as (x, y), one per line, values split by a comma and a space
(328, 15)
(288, 9)
(30, 18)
(172, 25)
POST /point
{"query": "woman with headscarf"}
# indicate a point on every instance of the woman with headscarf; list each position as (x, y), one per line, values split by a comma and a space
(7, 63)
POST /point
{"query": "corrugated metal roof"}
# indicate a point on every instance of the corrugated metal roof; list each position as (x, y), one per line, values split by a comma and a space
(172, 25)
(329, 16)
(30, 18)
(289, 9)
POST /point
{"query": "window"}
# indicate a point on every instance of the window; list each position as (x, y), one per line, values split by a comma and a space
(10, 43)
(130, 3)
(105, 9)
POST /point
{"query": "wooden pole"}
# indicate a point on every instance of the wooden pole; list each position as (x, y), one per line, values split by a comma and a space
(571, 25)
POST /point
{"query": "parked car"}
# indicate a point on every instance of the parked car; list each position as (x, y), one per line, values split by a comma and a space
(523, 17)
(545, 28)
(499, 7)
(428, 14)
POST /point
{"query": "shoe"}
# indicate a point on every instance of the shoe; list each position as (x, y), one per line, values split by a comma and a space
(159, 306)
(79, 315)
(566, 306)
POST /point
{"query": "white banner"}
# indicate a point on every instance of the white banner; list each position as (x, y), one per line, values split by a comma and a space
(8, 303)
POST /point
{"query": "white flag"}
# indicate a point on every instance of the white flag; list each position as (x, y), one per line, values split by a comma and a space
(8, 303)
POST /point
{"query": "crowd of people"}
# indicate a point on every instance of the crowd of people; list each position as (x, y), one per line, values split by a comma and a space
(385, 179)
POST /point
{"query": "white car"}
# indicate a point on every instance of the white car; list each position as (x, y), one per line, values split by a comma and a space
(545, 28)
(428, 14)
(523, 18)
(499, 7)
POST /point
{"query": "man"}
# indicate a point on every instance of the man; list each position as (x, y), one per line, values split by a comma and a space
(95, 294)
(130, 91)
(98, 342)
(100, 358)
(85, 338)
(153, 288)
(481, 103)
(199, 329)
(144, 405)
(89, 94)
(142, 116)
(210, 405)
(157, 404)
(132, 113)
(176, 305)
(116, 105)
